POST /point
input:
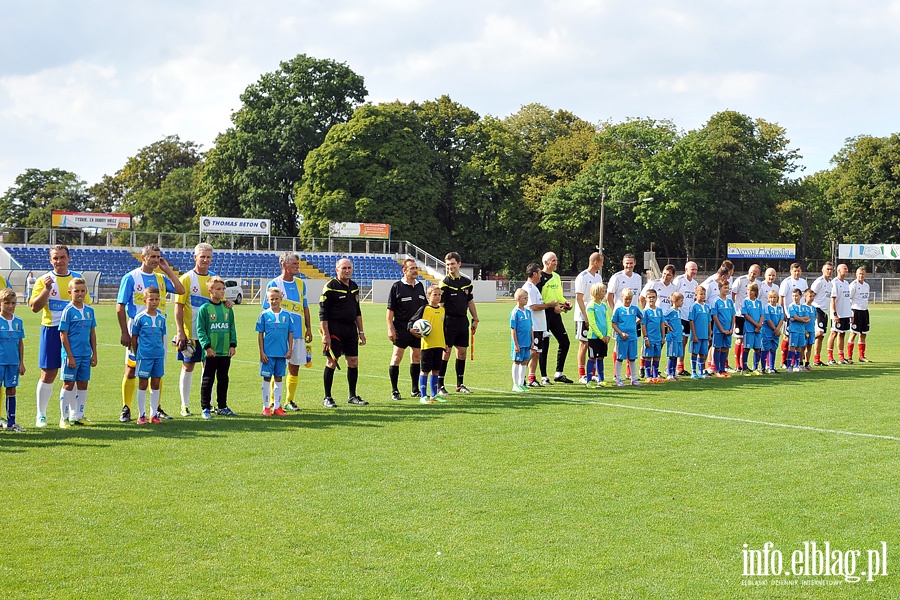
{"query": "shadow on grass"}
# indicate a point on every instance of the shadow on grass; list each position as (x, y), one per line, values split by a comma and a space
(382, 413)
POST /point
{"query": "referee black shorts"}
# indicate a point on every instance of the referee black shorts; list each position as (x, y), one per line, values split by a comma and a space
(404, 338)
(344, 339)
(456, 332)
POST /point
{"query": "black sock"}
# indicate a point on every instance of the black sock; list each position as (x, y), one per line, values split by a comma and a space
(394, 372)
(329, 380)
(415, 369)
(352, 377)
(460, 370)
(442, 373)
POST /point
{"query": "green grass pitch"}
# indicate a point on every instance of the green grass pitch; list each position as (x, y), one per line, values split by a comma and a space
(565, 492)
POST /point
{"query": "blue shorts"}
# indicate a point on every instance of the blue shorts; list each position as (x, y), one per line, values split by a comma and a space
(50, 353)
(752, 340)
(769, 343)
(674, 347)
(797, 340)
(9, 376)
(274, 368)
(720, 340)
(523, 355)
(652, 350)
(150, 368)
(626, 349)
(700, 347)
(81, 372)
(196, 357)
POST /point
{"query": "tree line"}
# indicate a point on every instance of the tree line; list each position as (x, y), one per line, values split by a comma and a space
(305, 149)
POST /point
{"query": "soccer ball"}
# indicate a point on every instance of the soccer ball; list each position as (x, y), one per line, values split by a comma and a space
(422, 327)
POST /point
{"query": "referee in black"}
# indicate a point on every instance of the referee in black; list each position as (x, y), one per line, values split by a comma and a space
(342, 329)
(458, 301)
(406, 297)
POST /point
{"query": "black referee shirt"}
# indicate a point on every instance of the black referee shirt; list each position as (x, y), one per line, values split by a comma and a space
(339, 302)
(456, 295)
(405, 300)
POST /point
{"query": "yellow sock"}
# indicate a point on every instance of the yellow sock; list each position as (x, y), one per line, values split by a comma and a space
(292, 381)
(128, 387)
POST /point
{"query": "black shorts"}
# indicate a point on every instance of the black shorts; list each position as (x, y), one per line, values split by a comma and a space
(582, 330)
(430, 359)
(821, 320)
(860, 321)
(685, 328)
(344, 339)
(538, 340)
(597, 349)
(404, 338)
(840, 324)
(738, 326)
(456, 332)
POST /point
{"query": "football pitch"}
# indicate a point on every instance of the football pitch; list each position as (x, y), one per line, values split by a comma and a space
(691, 489)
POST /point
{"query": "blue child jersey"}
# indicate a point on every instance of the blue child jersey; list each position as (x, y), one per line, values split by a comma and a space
(724, 310)
(674, 330)
(700, 315)
(151, 333)
(11, 332)
(275, 327)
(78, 323)
(653, 319)
(810, 311)
(626, 318)
(753, 309)
(774, 315)
(520, 321)
(796, 310)
(596, 318)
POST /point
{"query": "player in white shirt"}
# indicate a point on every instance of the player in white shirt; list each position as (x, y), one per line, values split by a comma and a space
(538, 320)
(626, 278)
(840, 314)
(687, 285)
(768, 284)
(583, 283)
(711, 287)
(786, 291)
(664, 287)
(738, 295)
(822, 303)
(859, 322)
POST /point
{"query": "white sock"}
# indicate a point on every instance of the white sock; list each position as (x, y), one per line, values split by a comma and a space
(184, 387)
(276, 394)
(558, 374)
(515, 374)
(67, 404)
(634, 373)
(142, 402)
(43, 393)
(618, 371)
(80, 403)
(265, 394)
(154, 401)
(520, 377)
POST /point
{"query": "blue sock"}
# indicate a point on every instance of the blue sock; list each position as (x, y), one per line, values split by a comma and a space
(423, 385)
(589, 369)
(434, 385)
(10, 410)
(600, 370)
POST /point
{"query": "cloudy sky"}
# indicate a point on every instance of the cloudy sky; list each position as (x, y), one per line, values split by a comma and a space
(84, 85)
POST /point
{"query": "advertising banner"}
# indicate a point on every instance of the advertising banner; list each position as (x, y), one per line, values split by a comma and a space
(79, 220)
(379, 231)
(754, 251)
(869, 251)
(238, 226)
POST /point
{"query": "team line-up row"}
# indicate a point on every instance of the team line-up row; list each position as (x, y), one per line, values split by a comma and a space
(671, 312)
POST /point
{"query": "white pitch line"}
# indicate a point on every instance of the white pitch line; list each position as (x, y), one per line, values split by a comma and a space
(684, 413)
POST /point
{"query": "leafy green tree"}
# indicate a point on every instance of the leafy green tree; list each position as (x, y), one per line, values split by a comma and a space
(256, 164)
(805, 216)
(374, 168)
(863, 190)
(155, 185)
(34, 195)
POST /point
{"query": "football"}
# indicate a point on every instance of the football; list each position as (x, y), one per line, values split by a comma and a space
(422, 327)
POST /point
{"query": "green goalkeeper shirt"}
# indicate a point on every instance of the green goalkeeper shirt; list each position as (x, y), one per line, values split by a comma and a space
(215, 328)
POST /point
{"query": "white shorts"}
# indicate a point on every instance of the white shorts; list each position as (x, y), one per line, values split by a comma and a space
(298, 352)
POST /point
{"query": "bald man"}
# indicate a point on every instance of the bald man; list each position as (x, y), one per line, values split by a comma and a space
(551, 291)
